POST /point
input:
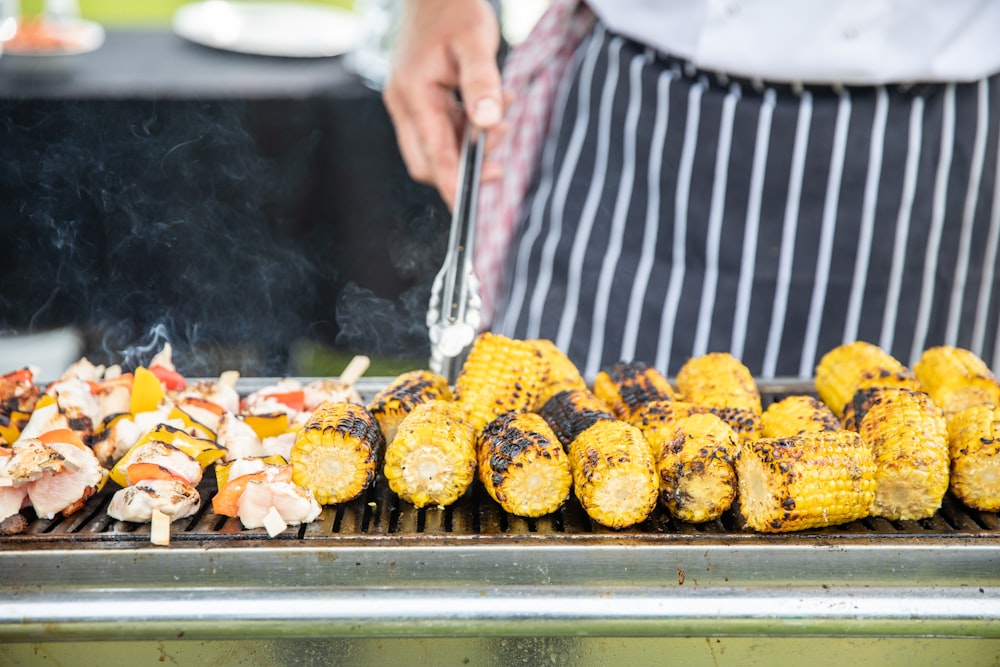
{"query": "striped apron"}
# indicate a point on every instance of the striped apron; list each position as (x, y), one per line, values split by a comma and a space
(677, 213)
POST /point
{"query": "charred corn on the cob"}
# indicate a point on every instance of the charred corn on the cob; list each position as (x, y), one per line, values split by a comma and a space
(432, 459)
(974, 439)
(337, 453)
(805, 481)
(561, 373)
(956, 379)
(500, 375)
(522, 465)
(723, 384)
(627, 386)
(407, 391)
(909, 440)
(696, 468)
(570, 413)
(859, 365)
(795, 415)
(614, 473)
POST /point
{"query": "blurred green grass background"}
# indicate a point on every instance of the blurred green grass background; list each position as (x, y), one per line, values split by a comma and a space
(124, 13)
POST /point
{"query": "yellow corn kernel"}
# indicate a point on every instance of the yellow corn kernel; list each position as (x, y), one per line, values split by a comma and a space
(696, 468)
(805, 481)
(859, 365)
(795, 415)
(627, 386)
(614, 475)
(908, 436)
(974, 440)
(337, 453)
(500, 375)
(956, 379)
(407, 391)
(561, 374)
(522, 465)
(432, 459)
(723, 384)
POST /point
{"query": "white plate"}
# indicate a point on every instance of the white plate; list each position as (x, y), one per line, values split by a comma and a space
(269, 28)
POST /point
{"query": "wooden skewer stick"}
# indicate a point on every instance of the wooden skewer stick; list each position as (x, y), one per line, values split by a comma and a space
(229, 378)
(355, 369)
(273, 522)
(159, 531)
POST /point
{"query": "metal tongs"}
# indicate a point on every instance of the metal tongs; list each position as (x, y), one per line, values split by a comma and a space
(455, 310)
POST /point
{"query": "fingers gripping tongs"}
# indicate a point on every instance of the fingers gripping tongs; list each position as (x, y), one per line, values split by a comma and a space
(455, 310)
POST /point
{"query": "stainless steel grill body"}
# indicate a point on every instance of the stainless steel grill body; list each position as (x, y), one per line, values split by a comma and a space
(378, 567)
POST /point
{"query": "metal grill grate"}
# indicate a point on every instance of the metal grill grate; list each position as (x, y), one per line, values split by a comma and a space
(380, 518)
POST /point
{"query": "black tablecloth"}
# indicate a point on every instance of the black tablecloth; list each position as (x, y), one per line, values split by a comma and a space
(225, 201)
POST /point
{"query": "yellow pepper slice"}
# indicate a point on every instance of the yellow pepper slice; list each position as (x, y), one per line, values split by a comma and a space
(147, 392)
(268, 426)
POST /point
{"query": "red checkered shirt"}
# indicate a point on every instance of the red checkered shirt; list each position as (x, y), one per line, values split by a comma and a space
(533, 71)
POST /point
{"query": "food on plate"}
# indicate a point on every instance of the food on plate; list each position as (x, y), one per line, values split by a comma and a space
(696, 467)
(614, 474)
(795, 415)
(432, 459)
(337, 453)
(721, 383)
(627, 386)
(805, 481)
(848, 368)
(522, 465)
(391, 404)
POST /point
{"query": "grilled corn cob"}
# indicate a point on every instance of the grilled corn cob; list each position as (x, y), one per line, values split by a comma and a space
(614, 473)
(407, 391)
(500, 375)
(723, 384)
(627, 386)
(658, 417)
(561, 373)
(909, 440)
(336, 454)
(859, 365)
(570, 413)
(696, 468)
(805, 481)
(795, 415)
(432, 459)
(974, 439)
(956, 379)
(523, 465)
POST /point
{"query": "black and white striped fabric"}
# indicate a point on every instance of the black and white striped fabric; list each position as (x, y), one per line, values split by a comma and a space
(677, 213)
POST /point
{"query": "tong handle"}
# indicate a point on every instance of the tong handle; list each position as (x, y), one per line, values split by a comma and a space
(455, 310)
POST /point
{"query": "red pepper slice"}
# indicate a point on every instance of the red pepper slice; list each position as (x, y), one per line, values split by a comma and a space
(20, 376)
(172, 380)
(293, 399)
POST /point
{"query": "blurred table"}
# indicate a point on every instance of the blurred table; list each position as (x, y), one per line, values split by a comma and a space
(231, 203)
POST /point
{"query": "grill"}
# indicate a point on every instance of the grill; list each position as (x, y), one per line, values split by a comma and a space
(379, 567)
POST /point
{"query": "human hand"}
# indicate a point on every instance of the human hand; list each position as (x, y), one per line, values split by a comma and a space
(444, 46)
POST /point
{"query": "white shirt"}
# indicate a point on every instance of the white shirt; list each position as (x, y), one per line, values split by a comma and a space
(819, 41)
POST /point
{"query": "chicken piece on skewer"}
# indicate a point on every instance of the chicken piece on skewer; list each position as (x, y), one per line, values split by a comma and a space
(12, 499)
(69, 404)
(285, 397)
(173, 497)
(238, 438)
(57, 471)
(163, 455)
(341, 390)
(123, 433)
(292, 505)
